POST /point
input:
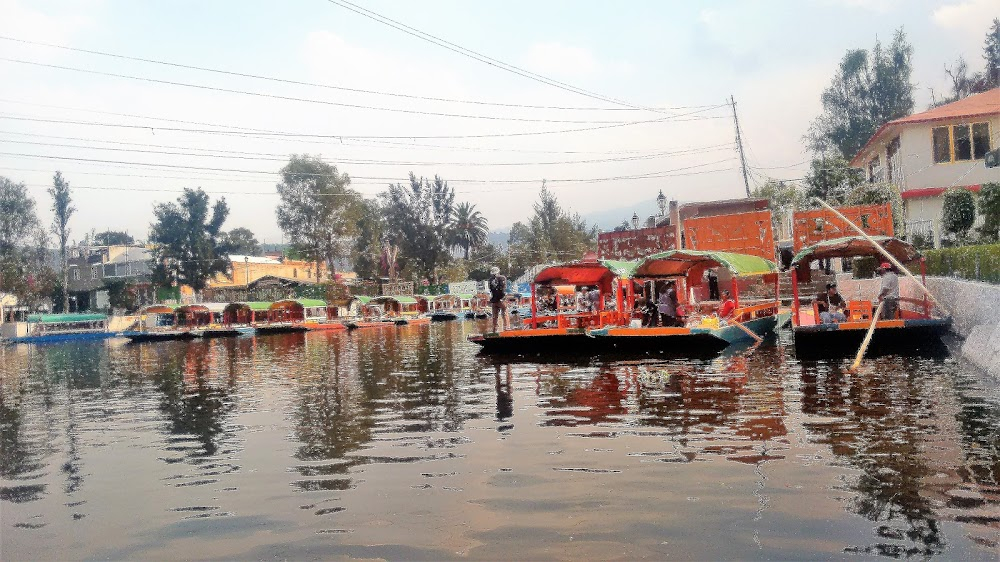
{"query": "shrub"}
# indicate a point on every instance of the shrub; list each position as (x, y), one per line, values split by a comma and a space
(978, 263)
(989, 207)
(959, 212)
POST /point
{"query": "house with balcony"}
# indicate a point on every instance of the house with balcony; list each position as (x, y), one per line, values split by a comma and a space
(927, 153)
(92, 268)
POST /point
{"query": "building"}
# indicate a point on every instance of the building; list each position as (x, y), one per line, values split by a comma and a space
(92, 268)
(247, 269)
(925, 154)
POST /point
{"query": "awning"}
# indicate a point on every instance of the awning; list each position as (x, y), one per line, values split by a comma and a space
(678, 262)
(63, 318)
(584, 272)
(401, 299)
(213, 307)
(852, 246)
(311, 303)
(158, 309)
(363, 299)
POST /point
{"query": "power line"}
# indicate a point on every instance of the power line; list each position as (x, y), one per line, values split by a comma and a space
(390, 179)
(268, 134)
(241, 155)
(329, 86)
(424, 36)
(303, 100)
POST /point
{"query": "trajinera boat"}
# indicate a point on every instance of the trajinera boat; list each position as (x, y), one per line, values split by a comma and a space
(557, 321)
(43, 328)
(158, 322)
(754, 306)
(917, 322)
(292, 315)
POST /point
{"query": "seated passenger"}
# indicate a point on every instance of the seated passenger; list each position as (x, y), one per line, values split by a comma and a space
(831, 305)
(728, 305)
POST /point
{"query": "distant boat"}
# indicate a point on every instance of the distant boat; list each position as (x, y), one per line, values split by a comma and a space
(158, 322)
(45, 328)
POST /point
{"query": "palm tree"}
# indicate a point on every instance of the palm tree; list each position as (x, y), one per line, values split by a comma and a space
(469, 227)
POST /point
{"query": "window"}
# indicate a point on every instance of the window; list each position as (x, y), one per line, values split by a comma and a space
(961, 143)
(980, 140)
(875, 169)
(95, 272)
(942, 144)
(891, 162)
(76, 274)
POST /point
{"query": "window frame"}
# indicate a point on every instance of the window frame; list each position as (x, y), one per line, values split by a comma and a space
(972, 141)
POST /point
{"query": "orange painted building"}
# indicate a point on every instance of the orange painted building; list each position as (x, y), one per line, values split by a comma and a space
(247, 269)
(816, 225)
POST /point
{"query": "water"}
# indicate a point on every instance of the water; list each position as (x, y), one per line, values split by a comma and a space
(402, 443)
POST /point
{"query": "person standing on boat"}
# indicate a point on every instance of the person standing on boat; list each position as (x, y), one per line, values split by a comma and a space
(498, 290)
(666, 305)
(889, 295)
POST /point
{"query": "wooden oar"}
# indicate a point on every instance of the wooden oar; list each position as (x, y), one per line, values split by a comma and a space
(747, 330)
(868, 338)
(884, 252)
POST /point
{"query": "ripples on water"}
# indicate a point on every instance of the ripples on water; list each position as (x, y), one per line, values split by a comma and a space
(403, 443)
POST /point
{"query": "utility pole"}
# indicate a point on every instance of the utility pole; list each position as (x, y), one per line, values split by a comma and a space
(739, 146)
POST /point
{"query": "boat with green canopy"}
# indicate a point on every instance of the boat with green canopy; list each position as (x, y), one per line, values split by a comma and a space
(402, 309)
(45, 328)
(751, 312)
(914, 323)
(292, 315)
(157, 322)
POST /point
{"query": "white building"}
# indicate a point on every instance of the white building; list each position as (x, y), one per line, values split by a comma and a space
(925, 154)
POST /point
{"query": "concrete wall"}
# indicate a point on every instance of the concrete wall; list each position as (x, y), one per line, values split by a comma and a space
(975, 309)
(917, 158)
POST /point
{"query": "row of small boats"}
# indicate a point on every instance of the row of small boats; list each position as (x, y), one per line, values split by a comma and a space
(620, 322)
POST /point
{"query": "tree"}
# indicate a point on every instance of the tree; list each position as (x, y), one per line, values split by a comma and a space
(469, 227)
(991, 52)
(783, 198)
(318, 211)
(187, 240)
(879, 193)
(418, 220)
(831, 178)
(989, 207)
(869, 89)
(552, 234)
(369, 243)
(62, 210)
(241, 241)
(113, 238)
(23, 266)
(959, 213)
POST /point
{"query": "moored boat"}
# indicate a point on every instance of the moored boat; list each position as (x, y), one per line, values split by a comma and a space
(292, 315)
(158, 322)
(702, 326)
(917, 323)
(45, 328)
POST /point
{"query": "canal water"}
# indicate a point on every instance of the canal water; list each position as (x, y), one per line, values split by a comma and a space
(403, 443)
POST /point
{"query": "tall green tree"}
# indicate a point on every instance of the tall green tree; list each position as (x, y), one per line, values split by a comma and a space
(869, 89)
(318, 210)
(783, 197)
(991, 53)
(989, 206)
(959, 213)
(24, 271)
(187, 238)
(418, 220)
(241, 241)
(113, 238)
(370, 241)
(552, 234)
(62, 210)
(831, 179)
(469, 227)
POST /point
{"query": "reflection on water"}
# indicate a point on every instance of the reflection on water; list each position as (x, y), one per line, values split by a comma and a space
(403, 443)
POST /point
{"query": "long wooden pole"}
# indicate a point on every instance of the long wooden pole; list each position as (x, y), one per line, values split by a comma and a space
(868, 337)
(747, 330)
(884, 252)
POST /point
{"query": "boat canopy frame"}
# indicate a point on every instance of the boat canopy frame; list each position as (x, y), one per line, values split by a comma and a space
(855, 246)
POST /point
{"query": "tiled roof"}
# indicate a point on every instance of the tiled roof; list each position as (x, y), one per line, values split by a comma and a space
(977, 105)
(921, 192)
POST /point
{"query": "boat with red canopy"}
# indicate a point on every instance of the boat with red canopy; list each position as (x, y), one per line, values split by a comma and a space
(916, 322)
(753, 284)
(561, 311)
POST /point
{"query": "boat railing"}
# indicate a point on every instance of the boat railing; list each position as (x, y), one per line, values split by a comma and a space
(746, 313)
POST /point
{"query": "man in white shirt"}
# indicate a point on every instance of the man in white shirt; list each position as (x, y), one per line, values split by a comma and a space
(889, 295)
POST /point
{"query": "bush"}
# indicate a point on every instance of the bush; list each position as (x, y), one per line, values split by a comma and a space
(959, 212)
(978, 263)
(989, 207)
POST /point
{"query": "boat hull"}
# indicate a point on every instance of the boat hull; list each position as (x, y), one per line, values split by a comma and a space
(137, 337)
(324, 326)
(443, 316)
(825, 340)
(55, 338)
(280, 329)
(541, 340)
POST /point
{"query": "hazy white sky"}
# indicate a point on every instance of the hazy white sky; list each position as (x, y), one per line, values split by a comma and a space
(774, 57)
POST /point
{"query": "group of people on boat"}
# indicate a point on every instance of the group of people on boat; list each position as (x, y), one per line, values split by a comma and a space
(832, 307)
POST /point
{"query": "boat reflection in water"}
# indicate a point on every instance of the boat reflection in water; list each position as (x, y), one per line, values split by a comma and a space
(404, 443)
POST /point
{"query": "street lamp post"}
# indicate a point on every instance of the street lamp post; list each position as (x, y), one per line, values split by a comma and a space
(661, 202)
(635, 221)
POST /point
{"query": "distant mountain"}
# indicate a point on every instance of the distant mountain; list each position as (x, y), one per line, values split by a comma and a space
(608, 219)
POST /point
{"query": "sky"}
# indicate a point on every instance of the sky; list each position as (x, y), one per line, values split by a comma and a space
(655, 78)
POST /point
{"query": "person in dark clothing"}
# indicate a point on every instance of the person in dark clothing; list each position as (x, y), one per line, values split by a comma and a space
(831, 305)
(666, 305)
(498, 290)
(713, 285)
